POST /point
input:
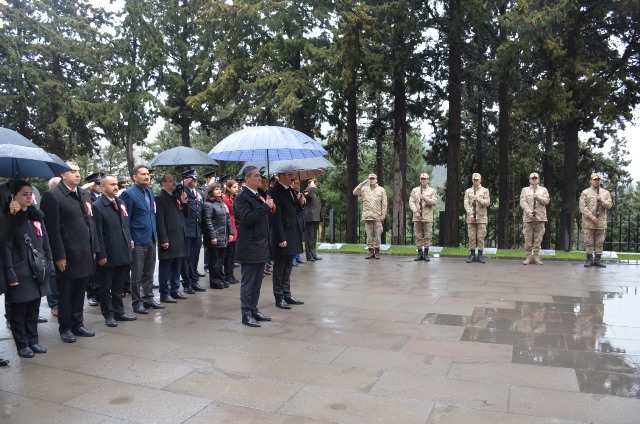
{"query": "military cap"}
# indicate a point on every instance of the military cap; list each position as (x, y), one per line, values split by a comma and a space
(424, 175)
(210, 174)
(534, 175)
(191, 173)
(224, 178)
(95, 177)
(372, 175)
(123, 184)
(596, 176)
(476, 176)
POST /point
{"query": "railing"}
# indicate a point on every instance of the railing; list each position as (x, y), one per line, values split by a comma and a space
(623, 231)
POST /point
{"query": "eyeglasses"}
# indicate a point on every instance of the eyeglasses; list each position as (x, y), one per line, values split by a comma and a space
(533, 178)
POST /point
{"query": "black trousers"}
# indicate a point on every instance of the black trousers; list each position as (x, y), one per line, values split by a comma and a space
(71, 302)
(23, 318)
(311, 238)
(216, 260)
(111, 285)
(190, 262)
(229, 259)
(250, 284)
(93, 287)
(282, 266)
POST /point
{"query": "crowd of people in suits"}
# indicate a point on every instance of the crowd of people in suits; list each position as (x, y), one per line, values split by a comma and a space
(103, 240)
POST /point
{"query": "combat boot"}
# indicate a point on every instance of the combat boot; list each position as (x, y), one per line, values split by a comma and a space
(529, 260)
(376, 253)
(420, 255)
(597, 262)
(370, 255)
(536, 259)
(480, 258)
(589, 261)
(472, 258)
(426, 255)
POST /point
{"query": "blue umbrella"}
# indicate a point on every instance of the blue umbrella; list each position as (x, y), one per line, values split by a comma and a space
(181, 155)
(23, 162)
(8, 136)
(267, 144)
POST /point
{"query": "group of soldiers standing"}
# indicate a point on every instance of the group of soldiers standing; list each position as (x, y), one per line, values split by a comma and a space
(534, 198)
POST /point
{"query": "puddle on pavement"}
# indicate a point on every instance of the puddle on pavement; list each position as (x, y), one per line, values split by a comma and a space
(598, 336)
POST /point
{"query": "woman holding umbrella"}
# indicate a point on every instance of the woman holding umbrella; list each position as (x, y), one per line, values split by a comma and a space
(217, 233)
(229, 256)
(26, 231)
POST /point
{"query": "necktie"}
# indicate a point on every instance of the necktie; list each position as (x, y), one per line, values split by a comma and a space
(115, 204)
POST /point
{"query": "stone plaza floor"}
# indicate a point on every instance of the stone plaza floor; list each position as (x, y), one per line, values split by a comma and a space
(377, 341)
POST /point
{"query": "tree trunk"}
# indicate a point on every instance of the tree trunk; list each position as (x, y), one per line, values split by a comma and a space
(352, 161)
(504, 131)
(452, 198)
(479, 137)
(398, 229)
(547, 177)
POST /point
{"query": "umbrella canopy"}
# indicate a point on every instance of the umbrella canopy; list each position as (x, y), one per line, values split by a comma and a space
(266, 143)
(304, 168)
(8, 136)
(17, 161)
(181, 156)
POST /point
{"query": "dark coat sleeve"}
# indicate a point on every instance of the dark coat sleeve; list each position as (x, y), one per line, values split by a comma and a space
(163, 232)
(98, 218)
(49, 206)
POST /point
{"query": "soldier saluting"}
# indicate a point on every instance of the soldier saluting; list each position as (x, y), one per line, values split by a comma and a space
(594, 203)
(476, 202)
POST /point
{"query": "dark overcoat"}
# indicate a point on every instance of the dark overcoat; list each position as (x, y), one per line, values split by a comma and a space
(252, 244)
(72, 234)
(15, 255)
(114, 236)
(194, 220)
(285, 225)
(170, 216)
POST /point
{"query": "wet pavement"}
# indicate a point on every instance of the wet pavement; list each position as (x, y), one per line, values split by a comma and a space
(389, 341)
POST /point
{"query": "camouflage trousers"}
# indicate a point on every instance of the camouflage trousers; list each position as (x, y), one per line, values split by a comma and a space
(594, 240)
(374, 233)
(422, 231)
(533, 233)
(477, 232)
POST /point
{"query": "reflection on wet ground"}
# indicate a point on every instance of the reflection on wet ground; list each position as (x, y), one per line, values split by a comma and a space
(592, 335)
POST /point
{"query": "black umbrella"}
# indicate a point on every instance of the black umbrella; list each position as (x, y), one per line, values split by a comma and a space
(20, 158)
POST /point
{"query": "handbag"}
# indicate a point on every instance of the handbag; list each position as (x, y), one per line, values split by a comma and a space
(37, 262)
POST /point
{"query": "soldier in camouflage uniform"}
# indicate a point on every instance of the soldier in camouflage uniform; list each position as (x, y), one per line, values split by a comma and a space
(374, 211)
(476, 202)
(533, 201)
(594, 203)
(421, 202)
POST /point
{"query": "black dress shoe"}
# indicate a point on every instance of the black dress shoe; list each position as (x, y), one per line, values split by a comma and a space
(4, 362)
(317, 258)
(38, 349)
(25, 352)
(260, 317)
(293, 301)
(280, 303)
(67, 336)
(83, 332)
(201, 274)
(153, 305)
(110, 322)
(140, 310)
(310, 260)
(93, 301)
(189, 290)
(250, 321)
(41, 319)
(124, 317)
(197, 287)
(167, 299)
(296, 264)
(178, 295)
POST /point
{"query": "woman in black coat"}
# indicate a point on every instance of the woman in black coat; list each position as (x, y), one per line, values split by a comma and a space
(217, 233)
(23, 290)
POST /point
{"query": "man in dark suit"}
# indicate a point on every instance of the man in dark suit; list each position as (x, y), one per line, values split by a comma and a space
(114, 259)
(193, 231)
(171, 213)
(312, 210)
(141, 206)
(95, 191)
(286, 240)
(68, 216)
(252, 245)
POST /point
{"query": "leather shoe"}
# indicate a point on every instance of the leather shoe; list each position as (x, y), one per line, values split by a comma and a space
(124, 317)
(310, 260)
(36, 348)
(67, 336)
(153, 305)
(4, 362)
(25, 352)
(110, 322)
(167, 299)
(93, 301)
(250, 321)
(189, 290)
(83, 332)
(197, 287)
(280, 303)
(140, 310)
(41, 319)
(178, 295)
(201, 274)
(260, 317)
(317, 258)
(293, 301)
